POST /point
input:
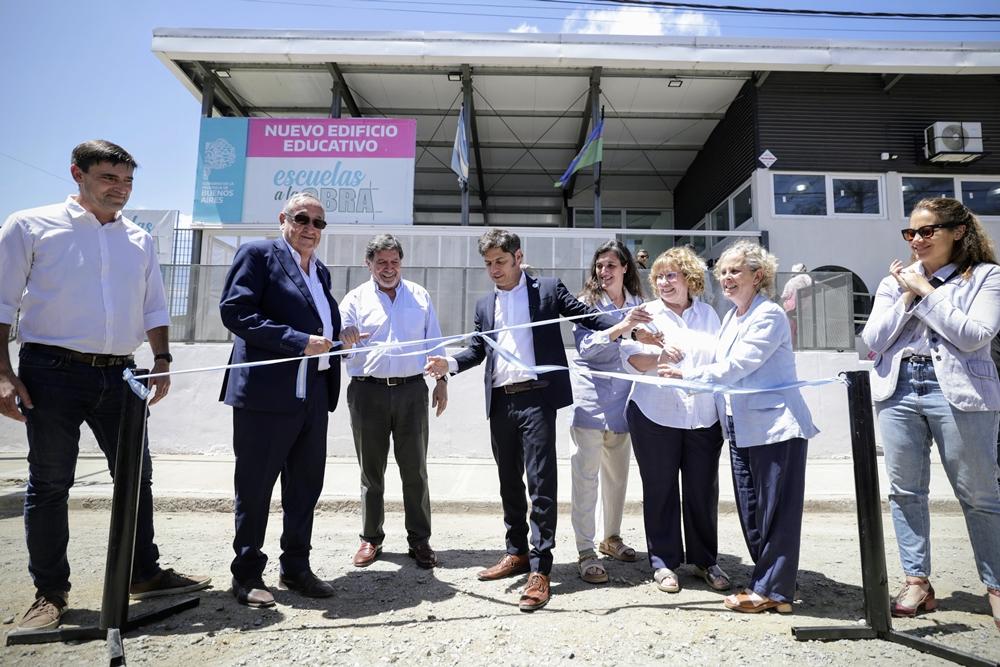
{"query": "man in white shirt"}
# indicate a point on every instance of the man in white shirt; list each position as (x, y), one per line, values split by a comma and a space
(388, 395)
(88, 286)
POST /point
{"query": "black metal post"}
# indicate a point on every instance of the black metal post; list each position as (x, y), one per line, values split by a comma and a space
(874, 577)
(114, 619)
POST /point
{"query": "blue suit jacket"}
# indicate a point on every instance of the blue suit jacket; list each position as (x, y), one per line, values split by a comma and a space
(548, 299)
(267, 305)
(761, 357)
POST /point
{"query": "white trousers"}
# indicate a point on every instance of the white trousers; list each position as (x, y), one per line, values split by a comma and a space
(598, 455)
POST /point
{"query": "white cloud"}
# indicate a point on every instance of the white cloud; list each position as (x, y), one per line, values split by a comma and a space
(525, 27)
(639, 21)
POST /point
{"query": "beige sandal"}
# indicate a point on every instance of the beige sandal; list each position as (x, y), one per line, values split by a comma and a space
(614, 547)
(993, 597)
(591, 569)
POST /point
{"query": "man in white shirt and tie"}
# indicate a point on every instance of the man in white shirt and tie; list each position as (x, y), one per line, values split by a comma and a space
(388, 395)
(88, 286)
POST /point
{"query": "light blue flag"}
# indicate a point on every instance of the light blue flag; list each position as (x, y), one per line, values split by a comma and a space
(460, 151)
(590, 153)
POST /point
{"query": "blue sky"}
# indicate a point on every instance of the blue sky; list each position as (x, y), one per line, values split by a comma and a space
(81, 70)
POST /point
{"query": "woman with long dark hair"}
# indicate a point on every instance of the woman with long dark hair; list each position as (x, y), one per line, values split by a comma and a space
(930, 329)
(601, 445)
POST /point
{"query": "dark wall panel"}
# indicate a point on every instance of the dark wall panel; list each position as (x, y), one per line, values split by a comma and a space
(842, 122)
(726, 160)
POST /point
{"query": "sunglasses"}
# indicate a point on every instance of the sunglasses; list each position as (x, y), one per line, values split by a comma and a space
(303, 219)
(926, 232)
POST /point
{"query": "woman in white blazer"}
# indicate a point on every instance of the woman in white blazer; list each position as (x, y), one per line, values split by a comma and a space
(768, 431)
(930, 329)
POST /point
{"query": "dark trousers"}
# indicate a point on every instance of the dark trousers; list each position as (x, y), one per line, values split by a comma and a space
(269, 444)
(770, 484)
(378, 412)
(664, 453)
(523, 435)
(67, 394)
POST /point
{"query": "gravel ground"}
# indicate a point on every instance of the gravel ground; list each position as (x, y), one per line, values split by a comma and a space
(393, 612)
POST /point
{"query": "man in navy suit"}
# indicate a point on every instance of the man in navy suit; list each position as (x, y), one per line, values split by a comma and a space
(277, 303)
(521, 404)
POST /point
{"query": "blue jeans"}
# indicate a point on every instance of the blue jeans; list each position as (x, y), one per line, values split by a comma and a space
(908, 420)
(65, 395)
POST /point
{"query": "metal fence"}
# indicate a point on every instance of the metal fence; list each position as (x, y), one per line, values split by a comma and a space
(823, 317)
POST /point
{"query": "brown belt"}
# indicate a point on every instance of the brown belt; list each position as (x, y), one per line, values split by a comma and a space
(519, 387)
(95, 360)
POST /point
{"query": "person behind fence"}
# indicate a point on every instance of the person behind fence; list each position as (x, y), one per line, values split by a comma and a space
(789, 296)
(768, 429)
(89, 289)
(276, 301)
(676, 434)
(521, 403)
(930, 329)
(601, 445)
(642, 258)
(387, 396)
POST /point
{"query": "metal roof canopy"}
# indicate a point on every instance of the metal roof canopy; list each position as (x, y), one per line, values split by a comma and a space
(662, 96)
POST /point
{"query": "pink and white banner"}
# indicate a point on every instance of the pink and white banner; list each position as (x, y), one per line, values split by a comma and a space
(361, 169)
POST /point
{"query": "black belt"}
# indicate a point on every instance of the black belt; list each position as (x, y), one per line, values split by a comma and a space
(96, 360)
(918, 358)
(389, 382)
(519, 387)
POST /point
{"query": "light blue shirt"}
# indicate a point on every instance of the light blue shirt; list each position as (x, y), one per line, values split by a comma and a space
(318, 293)
(410, 316)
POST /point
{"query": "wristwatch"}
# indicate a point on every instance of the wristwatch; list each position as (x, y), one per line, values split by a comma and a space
(632, 334)
(166, 356)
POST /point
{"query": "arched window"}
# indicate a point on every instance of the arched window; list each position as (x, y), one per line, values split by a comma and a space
(862, 298)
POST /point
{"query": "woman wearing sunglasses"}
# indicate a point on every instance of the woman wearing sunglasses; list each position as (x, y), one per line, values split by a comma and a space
(930, 329)
(676, 436)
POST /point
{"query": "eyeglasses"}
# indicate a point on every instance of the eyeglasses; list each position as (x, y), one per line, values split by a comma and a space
(669, 276)
(303, 219)
(926, 232)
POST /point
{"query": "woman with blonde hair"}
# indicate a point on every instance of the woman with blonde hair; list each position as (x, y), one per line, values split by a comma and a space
(768, 429)
(676, 435)
(930, 329)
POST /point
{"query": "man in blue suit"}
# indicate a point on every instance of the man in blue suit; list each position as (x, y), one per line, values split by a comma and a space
(520, 404)
(277, 303)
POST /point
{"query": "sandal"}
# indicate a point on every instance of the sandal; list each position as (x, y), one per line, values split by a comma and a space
(614, 547)
(666, 580)
(914, 597)
(715, 577)
(993, 597)
(749, 602)
(591, 569)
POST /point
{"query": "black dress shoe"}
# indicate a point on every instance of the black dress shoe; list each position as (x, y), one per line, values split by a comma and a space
(307, 584)
(424, 555)
(252, 593)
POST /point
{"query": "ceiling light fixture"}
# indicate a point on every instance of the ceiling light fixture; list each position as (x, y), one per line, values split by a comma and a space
(674, 83)
(223, 74)
(454, 76)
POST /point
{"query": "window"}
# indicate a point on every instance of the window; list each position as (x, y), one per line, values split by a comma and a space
(648, 219)
(799, 194)
(982, 197)
(856, 195)
(916, 188)
(720, 218)
(611, 218)
(742, 207)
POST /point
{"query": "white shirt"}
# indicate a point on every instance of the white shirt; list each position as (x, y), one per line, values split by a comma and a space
(510, 309)
(80, 284)
(694, 333)
(318, 293)
(410, 316)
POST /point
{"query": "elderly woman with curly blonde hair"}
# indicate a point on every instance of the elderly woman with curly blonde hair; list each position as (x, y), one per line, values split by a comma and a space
(768, 429)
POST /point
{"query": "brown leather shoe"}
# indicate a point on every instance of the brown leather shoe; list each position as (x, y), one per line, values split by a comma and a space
(424, 555)
(507, 566)
(536, 593)
(367, 554)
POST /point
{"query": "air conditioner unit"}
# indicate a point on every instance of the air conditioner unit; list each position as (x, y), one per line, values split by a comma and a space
(953, 142)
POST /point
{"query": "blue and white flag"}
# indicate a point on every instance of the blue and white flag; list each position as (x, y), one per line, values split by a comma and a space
(460, 151)
(590, 153)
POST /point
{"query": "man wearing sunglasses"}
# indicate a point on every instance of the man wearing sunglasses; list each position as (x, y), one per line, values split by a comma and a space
(277, 303)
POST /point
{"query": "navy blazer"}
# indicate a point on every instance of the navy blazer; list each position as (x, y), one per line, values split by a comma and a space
(267, 305)
(548, 299)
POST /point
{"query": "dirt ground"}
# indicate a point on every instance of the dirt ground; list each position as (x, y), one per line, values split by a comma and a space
(393, 612)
